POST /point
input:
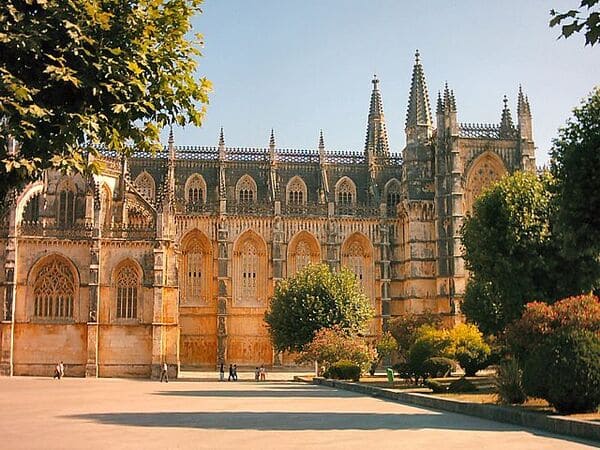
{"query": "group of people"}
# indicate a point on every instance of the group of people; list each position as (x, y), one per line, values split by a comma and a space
(260, 374)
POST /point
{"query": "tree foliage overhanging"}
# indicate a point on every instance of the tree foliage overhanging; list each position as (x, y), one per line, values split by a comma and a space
(313, 299)
(586, 19)
(80, 73)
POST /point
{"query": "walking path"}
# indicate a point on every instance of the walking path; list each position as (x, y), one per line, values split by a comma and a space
(76, 413)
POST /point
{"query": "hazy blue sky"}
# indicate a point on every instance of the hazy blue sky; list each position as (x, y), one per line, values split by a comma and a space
(299, 66)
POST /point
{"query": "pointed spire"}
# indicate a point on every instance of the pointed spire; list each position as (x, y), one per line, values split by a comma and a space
(171, 143)
(419, 113)
(321, 141)
(272, 152)
(440, 104)
(507, 126)
(221, 145)
(523, 104)
(376, 142)
(272, 139)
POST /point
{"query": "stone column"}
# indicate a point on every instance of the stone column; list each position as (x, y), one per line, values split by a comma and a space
(385, 273)
(91, 368)
(224, 289)
(10, 270)
(332, 246)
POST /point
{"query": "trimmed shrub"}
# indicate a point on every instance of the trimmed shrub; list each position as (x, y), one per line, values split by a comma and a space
(430, 343)
(461, 385)
(438, 366)
(509, 383)
(469, 348)
(344, 370)
(403, 370)
(435, 386)
(565, 371)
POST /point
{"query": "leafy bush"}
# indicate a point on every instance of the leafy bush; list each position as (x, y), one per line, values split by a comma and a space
(438, 366)
(385, 346)
(462, 385)
(344, 370)
(405, 328)
(540, 320)
(509, 383)
(403, 370)
(565, 370)
(331, 345)
(435, 386)
(430, 342)
(469, 348)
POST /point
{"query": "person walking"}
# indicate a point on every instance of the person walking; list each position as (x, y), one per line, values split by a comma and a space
(164, 373)
(256, 374)
(263, 373)
(235, 378)
(62, 369)
(231, 376)
(222, 372)
(57, 372)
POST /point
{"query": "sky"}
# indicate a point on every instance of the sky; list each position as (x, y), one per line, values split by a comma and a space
(302, 66)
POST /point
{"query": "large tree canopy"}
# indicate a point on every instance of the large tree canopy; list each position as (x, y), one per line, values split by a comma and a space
(78, 73)
(512, 254)
(576, 166)
(316, 298)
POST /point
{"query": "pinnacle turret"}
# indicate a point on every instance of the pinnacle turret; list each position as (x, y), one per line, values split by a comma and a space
(272, 139)
(419, 114)
(376, 142)
(507, 127)
(523, 104)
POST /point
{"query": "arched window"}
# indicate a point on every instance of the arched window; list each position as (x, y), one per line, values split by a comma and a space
(246, 190)
(296, 191)
(193, 260)
(146, 186)
(195, 189)
(356, 261)
(486, 170)
(31, 213)
(303, 256)
(66, 207)
(345, 192)
(54, 290)
(392, 197)
(249, 265)
(127, 292)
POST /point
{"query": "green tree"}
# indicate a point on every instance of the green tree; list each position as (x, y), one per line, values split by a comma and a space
(576, 167)
(513, 255)
(316, 298)
(75, 74)
(586, 19)
(404, 329)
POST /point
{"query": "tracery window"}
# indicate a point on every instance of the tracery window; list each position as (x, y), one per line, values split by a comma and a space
(195, 189)
(392, 197)
(296, 191)
(54, 290)
(249, 266)
(303, 258)
(485, 172)
(32, 209)
(246, 189)
(193, 260)
(66, 208)
(127, 292)
(346, 193)
(145, 184)
(356, 261)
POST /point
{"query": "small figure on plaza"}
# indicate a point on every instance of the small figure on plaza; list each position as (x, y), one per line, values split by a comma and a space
(263, 373)
(231, 375)
(222, 372)
(164, 373)
(235, 376)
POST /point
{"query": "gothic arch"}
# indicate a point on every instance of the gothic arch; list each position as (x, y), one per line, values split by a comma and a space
(105, 205)
(127, 278)
(302, 250)
(195, 269)
(246, 190)
(146, 185)
(250, 270)
(66, 203)
(23, 200)
(345, 191)
(392, 192)
(357, 255)
(53, 281)
(195, 189)
(485, 169)
(296, 192)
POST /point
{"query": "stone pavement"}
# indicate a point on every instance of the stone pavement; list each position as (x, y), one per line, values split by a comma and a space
(76, 413)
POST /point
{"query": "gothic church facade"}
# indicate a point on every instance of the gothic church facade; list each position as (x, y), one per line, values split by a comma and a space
(173, 257)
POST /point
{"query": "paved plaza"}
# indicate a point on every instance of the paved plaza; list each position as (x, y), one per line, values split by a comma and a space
(76, 413)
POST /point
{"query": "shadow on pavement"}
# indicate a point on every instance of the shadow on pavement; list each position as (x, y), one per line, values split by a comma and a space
(272, 391)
